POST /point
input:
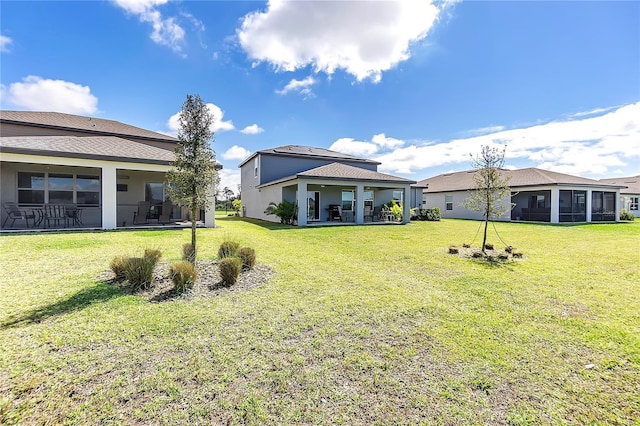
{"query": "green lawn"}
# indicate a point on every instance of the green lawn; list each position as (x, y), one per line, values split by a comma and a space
(359, 325)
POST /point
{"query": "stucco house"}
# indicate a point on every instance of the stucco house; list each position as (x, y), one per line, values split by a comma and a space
(320, 182)
(630, 195)
(538, 195)
(103, 167)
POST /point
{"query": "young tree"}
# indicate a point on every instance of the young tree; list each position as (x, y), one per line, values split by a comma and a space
(193, 173)
(491, 187)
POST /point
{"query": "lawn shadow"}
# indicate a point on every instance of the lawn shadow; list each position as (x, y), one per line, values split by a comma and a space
(100, 293)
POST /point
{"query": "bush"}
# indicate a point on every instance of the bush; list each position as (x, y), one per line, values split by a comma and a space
(183, 275)
(228, 249)
(434, 214)
(152, 254)
(118, 265)
(139, 272)
(188, 253)
(285, 210)
(230, 269)
(248, 257)
(625, 215)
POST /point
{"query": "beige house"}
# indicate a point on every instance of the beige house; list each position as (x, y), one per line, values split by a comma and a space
(537, 195)
(103, 168)
(630, 194)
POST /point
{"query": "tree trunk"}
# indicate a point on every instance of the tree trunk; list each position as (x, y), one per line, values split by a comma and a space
(484, 238)
(194, 211)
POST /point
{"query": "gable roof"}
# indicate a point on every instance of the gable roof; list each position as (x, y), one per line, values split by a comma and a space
(90, 125)
(308, 152)
(339, 171)
(463, 181)
(110, 148)
(632, 184)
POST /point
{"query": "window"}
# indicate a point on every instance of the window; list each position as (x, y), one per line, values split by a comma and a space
(368, 199)
(397, 195)
(633, 205)
(154, 192)
(255, 167)
(58, 188)
(347, 200)
(313, 205)
(30, 188)
(537, 202)
(448, 201)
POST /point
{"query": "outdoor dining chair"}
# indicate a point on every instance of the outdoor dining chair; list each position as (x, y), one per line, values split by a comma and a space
(14, 213)
(142, 214)
(165, 216)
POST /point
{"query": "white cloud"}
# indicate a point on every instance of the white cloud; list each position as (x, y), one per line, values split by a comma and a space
(384, 142)
(166, 31)
(37, 93)
(364, 38)
(4, 43)
(236, 153)
(592, 146)
(364, 148)
(303, 87)
(218, 125)
(254, 129)
(229, 178)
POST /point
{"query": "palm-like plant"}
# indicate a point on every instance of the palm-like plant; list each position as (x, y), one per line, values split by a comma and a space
(285, 210)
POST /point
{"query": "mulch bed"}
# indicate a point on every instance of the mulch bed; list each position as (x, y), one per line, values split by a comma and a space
(208, 283)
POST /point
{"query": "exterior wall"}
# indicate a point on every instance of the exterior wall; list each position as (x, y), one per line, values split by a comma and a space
(459, 212)
(10, 129)
(273, 167)
(625, 203)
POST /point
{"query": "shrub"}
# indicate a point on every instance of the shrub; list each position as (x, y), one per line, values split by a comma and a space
(415, 213)
(228, 249)
(434, 214)
(152, 254)
(248, 257)
(454, 250)
(188, 253)
(230, 269)
(285, 210)
(118, 265)
(488, 246)
(183, 275)
(139, 272)
(626, 215)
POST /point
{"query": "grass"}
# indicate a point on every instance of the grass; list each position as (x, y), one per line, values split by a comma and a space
(360, 325)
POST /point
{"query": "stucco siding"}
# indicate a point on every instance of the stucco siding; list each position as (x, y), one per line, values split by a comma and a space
(274, 167)
(458, 211)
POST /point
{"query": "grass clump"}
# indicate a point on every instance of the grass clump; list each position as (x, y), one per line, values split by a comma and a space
(183, 275)
(139, 272)
(118, 265)
(153, 254)
(228, 249)
(248, 257)
(188, 253)
(230, 269)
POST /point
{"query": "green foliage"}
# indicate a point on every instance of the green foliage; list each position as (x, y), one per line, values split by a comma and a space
(152, 254)
(395, 208)
(229, 268)
(626, 215)
(237, 206)
(188, 253)
(433, 214)
(193, 170)
(183, 275)
(139, 272)
(228, 249)
(285, 210)
(248, 257)
(118, 264)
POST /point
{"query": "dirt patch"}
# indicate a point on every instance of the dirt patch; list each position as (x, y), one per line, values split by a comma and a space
(208, 283)
(490, 254)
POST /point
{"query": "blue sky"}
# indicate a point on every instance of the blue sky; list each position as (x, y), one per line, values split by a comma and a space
(414, 84)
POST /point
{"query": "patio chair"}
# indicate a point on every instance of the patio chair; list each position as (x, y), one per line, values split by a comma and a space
(368, 213)
(375, 216)
(142, 214)
(55, 213)
(165, 216)
(14, 213)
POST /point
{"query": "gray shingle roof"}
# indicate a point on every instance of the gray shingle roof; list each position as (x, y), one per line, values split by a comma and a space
(462, 181)
(308, 151)
(338, 171)
(632, 184)
(94, 147)
(98, 126)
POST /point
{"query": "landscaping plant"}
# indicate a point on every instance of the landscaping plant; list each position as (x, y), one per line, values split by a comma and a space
(183, 275)
(139, 272)
(228, 249)
(118, 265)
(248, 257)
(230, 269)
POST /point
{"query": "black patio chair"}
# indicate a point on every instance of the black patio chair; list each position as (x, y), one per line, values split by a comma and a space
(14, 213)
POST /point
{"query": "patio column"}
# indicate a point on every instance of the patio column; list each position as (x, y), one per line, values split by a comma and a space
(588, 204)
(210, 214)
(555, 205)
(406, 206)
(303, 198)
(359, 204)
(109, 203)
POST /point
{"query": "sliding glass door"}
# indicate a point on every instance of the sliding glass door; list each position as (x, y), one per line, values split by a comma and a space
(313, 205)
